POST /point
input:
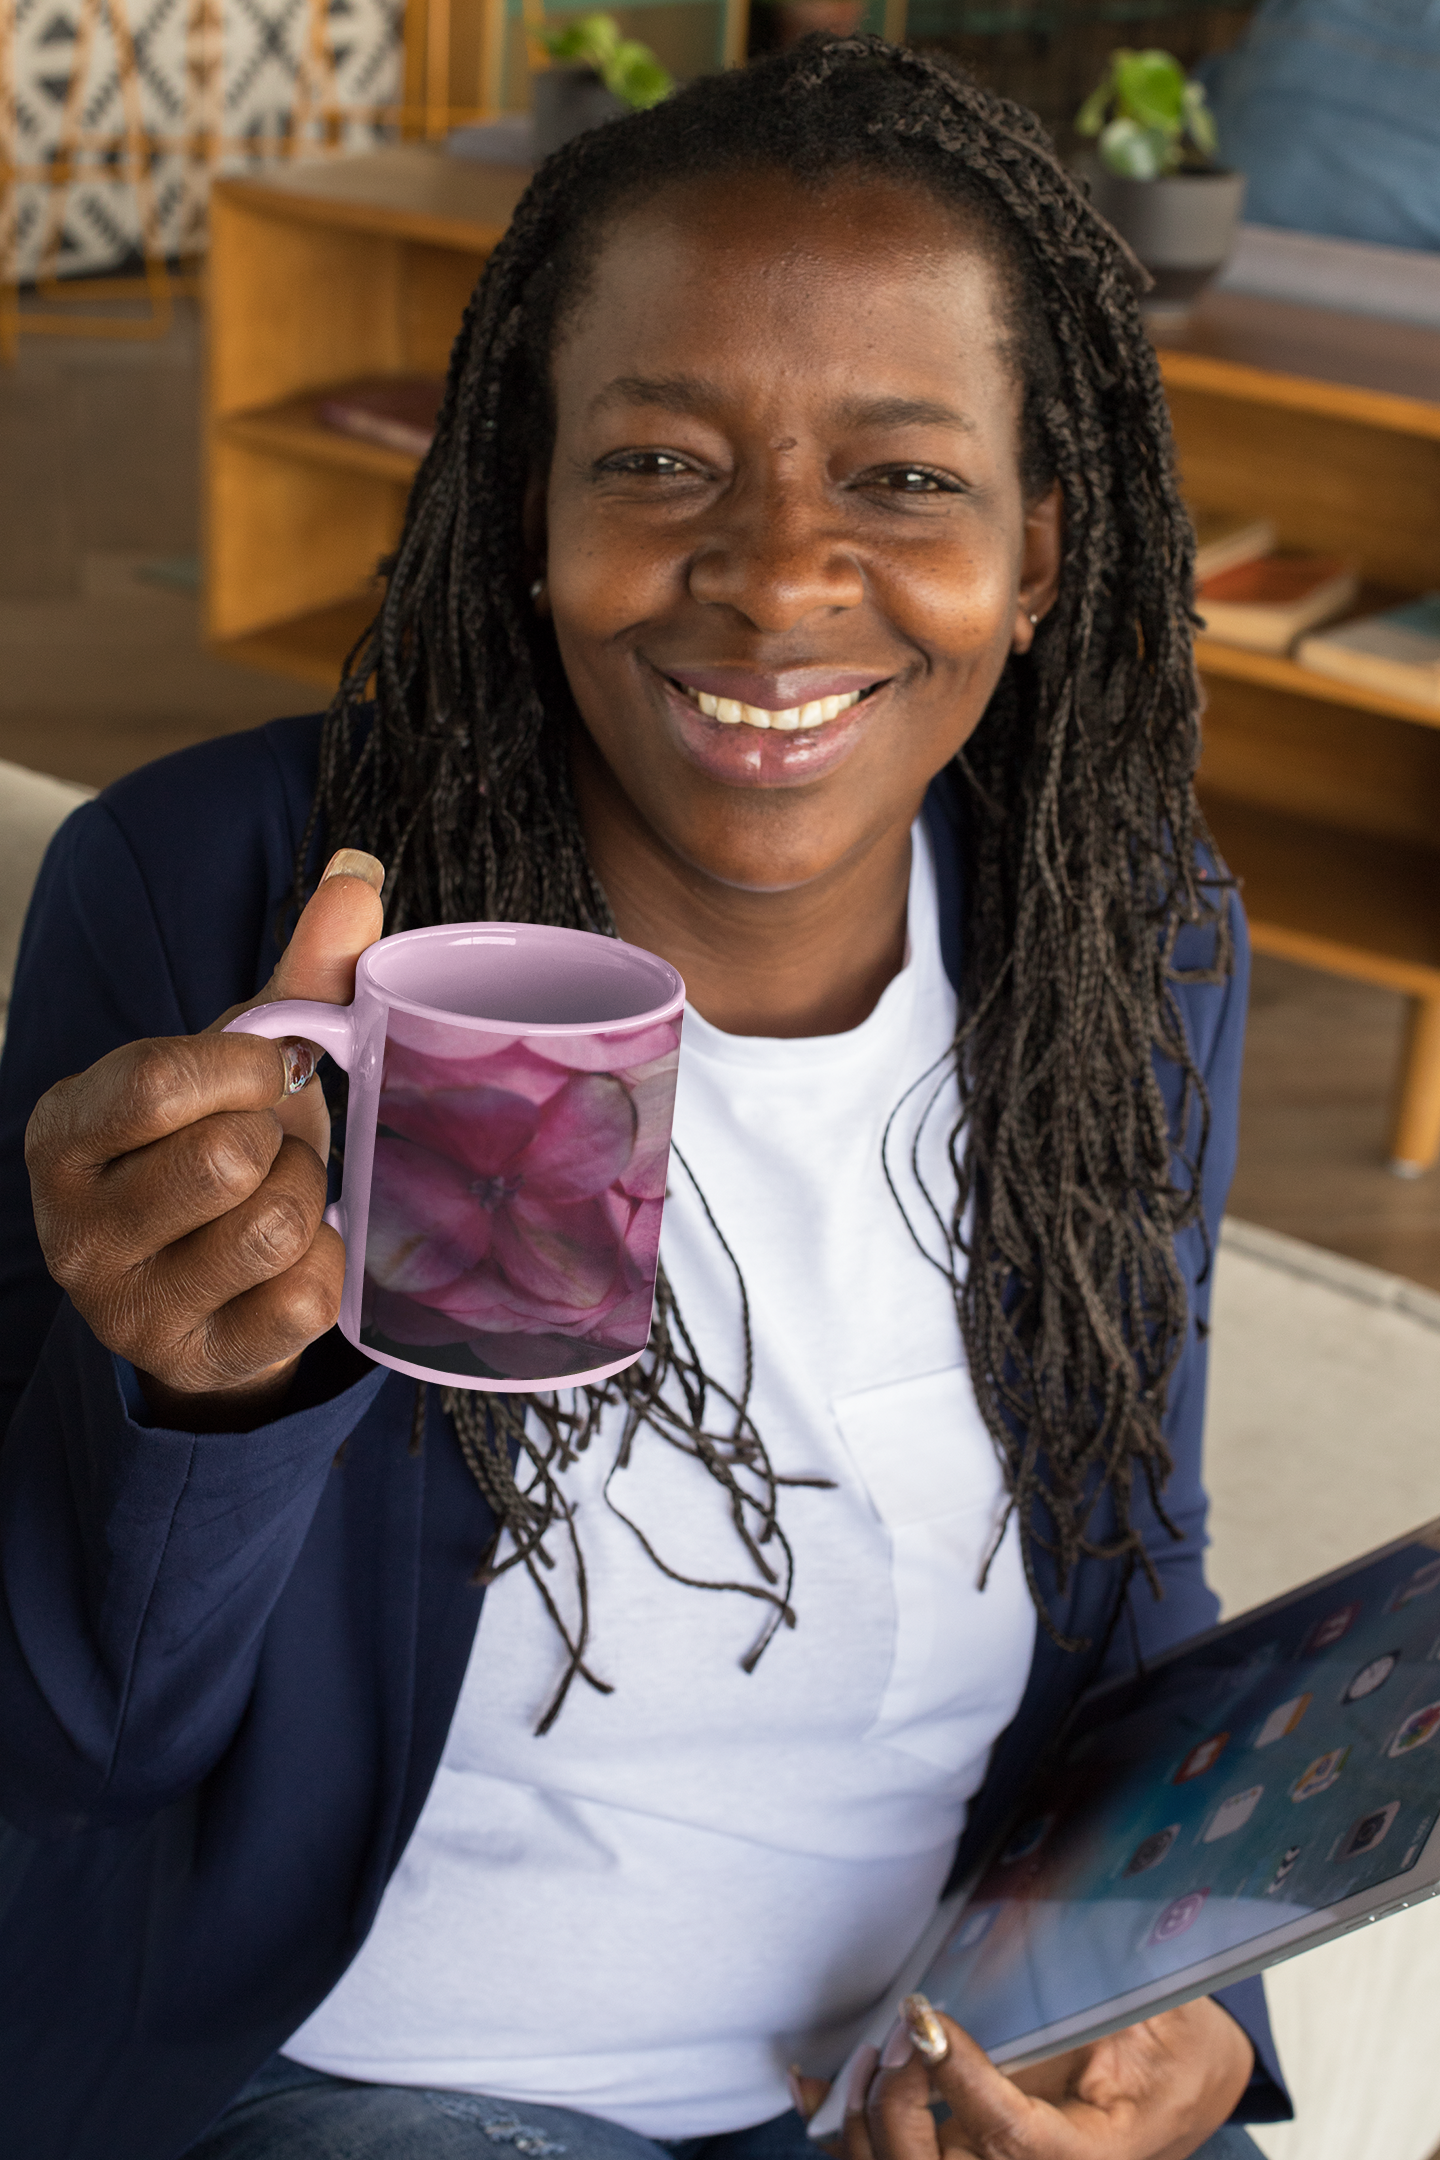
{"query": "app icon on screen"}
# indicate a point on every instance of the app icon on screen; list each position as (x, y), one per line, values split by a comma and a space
(1027, 1839)
(1327, 1632)
(1417, 1843)
(1287, 1861)
(1320, 1775)
(1421, 1583)
(1181, 1913)
(1371, 1676)
(1202, 1757)
(1232, 1814)
(1152, 1850)
(1282, 1720)
(1420, 1726)
(1366, 1832)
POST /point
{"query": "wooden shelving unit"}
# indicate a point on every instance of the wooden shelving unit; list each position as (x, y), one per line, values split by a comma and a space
(1325, 797)
(320, 274)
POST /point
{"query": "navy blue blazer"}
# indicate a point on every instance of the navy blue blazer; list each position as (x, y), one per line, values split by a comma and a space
(228, 1664)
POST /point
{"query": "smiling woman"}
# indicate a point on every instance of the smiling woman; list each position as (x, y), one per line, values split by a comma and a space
(796, 586)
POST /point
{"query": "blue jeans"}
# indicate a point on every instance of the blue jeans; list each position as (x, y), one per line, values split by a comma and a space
(289, 2113)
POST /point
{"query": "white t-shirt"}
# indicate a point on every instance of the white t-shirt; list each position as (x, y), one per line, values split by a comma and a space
(708, 1874)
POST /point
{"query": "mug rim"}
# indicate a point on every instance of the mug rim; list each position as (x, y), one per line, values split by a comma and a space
(667, 1009)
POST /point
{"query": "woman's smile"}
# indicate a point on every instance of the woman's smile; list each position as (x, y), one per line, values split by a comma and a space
(747, 729)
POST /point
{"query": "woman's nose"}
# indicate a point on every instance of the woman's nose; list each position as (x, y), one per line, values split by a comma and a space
(776, 560)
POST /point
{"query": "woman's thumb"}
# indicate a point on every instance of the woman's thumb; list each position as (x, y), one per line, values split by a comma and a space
(341, 918)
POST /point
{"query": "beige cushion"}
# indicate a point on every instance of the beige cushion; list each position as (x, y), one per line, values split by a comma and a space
(31, 806)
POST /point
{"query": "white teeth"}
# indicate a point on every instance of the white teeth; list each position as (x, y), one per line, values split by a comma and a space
(731, 713)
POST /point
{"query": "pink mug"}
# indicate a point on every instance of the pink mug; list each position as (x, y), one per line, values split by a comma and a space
(506, 1144)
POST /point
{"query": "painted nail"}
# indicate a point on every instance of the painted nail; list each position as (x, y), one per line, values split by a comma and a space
(898, 2049)
(301, 1059)
(354, 862)
(926, 2030)
(860, 2076)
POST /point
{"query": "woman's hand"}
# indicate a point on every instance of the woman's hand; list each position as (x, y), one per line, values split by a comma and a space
(179, 1188)
(1155, 2091)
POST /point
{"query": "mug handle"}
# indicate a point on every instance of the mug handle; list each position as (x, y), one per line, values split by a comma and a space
(331, 1027)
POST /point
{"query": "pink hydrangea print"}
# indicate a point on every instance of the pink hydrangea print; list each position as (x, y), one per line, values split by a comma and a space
(516, 1197)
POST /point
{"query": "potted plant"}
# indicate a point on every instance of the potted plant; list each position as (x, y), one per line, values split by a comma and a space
(1156, 177)
(595, 74)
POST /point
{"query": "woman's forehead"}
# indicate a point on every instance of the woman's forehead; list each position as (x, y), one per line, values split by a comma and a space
(863, 267)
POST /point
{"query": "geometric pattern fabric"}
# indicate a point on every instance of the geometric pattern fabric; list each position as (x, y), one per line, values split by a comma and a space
(215, 86)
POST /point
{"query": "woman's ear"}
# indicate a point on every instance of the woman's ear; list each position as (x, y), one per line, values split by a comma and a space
(1041, 553)
(532, 526)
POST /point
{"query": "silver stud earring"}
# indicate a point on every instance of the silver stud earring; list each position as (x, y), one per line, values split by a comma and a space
(537, 588)
(1034, 620)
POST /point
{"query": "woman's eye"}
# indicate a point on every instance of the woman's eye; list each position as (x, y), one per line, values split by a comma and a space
(648, 464)
(913, 480)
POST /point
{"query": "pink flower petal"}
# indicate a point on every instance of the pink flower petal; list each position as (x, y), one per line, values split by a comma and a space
(480, 1128)
(443, 1040)
(509, 1065)
(583, 1141)
(407, 1320)
(561, 1258)
(609, 1049)
(652, 1090)
(426, 1227)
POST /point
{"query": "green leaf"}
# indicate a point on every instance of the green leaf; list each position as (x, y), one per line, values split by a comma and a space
(1199, 120)
(1091, 116)
(592, 40)
(636, 76)
(1134, 152)
(1150, 89)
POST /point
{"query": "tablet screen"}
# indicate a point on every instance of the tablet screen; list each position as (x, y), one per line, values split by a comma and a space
(1278, 1768)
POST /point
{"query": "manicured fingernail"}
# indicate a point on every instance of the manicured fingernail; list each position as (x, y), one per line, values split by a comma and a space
(898, 2049)
(860, 2076)
(797, 2097)
(354, 862)
(301, 1059)
(926, 2030)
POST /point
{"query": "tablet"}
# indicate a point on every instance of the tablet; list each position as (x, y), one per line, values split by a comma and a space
(1257, 1790)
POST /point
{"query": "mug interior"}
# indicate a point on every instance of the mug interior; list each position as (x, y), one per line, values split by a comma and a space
(526, 975)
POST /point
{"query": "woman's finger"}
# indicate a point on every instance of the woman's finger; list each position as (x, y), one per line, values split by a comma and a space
(932, 2058)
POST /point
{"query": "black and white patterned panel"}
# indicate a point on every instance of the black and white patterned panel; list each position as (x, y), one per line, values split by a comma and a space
(238, 71)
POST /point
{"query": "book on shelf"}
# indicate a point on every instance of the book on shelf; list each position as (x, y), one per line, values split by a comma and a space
(397, 412)
(1266, 604)
(1223, 541)
(1397, 651)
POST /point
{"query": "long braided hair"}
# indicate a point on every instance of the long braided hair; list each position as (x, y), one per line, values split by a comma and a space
(1081, 828)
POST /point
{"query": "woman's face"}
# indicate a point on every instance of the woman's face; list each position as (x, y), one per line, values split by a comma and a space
(785, 543)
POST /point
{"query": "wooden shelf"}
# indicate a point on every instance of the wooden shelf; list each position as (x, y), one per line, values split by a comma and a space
(292, 428)
(1276, 672)
(311, 647)
(1353, 903)
(1313, 360)
(410, 191)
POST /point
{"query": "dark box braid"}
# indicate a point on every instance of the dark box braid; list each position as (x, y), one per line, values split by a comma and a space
(1081, 822)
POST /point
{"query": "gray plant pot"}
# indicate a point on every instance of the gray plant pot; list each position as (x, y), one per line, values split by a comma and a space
(1182, 227)
(567, 101)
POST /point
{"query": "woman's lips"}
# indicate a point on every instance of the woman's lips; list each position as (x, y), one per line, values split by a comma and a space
(787, 698)
(789, 745)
